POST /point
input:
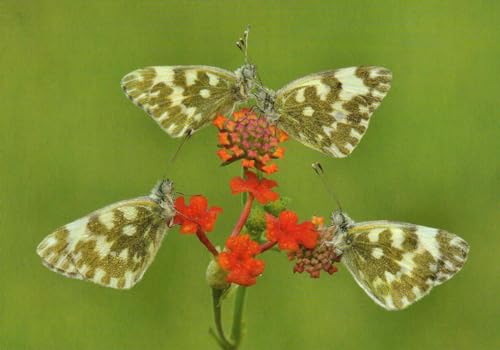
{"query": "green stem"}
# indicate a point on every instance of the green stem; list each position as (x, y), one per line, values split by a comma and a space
(239, 302)
(217, 308)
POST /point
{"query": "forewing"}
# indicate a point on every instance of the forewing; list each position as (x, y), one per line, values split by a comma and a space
(397, 264)
(112, 247)
(182, 99)
(330, 111)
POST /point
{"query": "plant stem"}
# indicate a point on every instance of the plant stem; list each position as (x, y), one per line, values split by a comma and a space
(267, 246)
(239, 302)
(206, 242)
(243, 217)
(217, 308)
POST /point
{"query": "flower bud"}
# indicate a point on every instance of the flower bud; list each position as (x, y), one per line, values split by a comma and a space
(276, 207)
(216, 276)
(256, 222)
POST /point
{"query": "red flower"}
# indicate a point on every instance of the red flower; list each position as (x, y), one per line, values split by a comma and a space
(195, 215)
(251, 138)
(238, 260)
(260, 189)
(288, 233)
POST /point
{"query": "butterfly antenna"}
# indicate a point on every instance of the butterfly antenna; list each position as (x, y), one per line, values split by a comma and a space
(242, 43)
(184, 140)
(318, 169)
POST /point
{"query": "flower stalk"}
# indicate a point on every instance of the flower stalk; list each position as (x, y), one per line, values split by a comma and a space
(267, 246)
(247, 208)
(202, 237)
(220, 337)
(237, 328)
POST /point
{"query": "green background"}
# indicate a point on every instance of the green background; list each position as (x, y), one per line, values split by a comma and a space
(71, 143)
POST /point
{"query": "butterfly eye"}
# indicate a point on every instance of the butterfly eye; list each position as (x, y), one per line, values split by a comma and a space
(348, 240)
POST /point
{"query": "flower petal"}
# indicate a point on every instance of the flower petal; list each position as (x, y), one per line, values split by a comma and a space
(288, 233)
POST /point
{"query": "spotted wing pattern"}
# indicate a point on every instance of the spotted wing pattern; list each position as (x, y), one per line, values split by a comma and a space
(397, 264)
(330, 111)
(112, 246)
(183, 99)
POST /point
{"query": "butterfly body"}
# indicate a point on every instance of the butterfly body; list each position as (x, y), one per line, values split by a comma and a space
(115, 245)
(395, 263)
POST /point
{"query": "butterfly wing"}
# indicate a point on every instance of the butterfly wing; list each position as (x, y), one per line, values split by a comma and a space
(112, 247)
(330, 111)
(182, 99)
(397, 264)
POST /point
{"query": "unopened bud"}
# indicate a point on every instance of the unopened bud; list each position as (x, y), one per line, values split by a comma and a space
(216, 276)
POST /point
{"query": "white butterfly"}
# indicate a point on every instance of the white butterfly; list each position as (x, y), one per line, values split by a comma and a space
(395, 263)
(115, 245)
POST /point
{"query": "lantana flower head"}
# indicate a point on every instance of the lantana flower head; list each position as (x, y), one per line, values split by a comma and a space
(239, 260)
(196, 215)
(250, 138)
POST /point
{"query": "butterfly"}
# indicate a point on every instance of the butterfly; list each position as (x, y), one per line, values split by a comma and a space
(327, 111)
(396, 263)
(115, 245)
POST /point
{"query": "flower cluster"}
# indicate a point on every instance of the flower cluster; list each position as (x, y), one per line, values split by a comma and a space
(265, 222)
(251, 138)
(272, 226)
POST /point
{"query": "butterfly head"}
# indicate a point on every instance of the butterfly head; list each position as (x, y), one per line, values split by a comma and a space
(163, 193)
(247, 76)
(341, 240)
(341, 220)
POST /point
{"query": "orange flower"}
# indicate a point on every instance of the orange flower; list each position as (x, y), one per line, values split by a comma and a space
(219, 121)
(224, 138)
(239, 260)
(195, 215)
(260, 189)
(251, 138)
(289, 234)
(318, 221)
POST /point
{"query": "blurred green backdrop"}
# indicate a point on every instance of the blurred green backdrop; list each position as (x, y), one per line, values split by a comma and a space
(71, 143)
